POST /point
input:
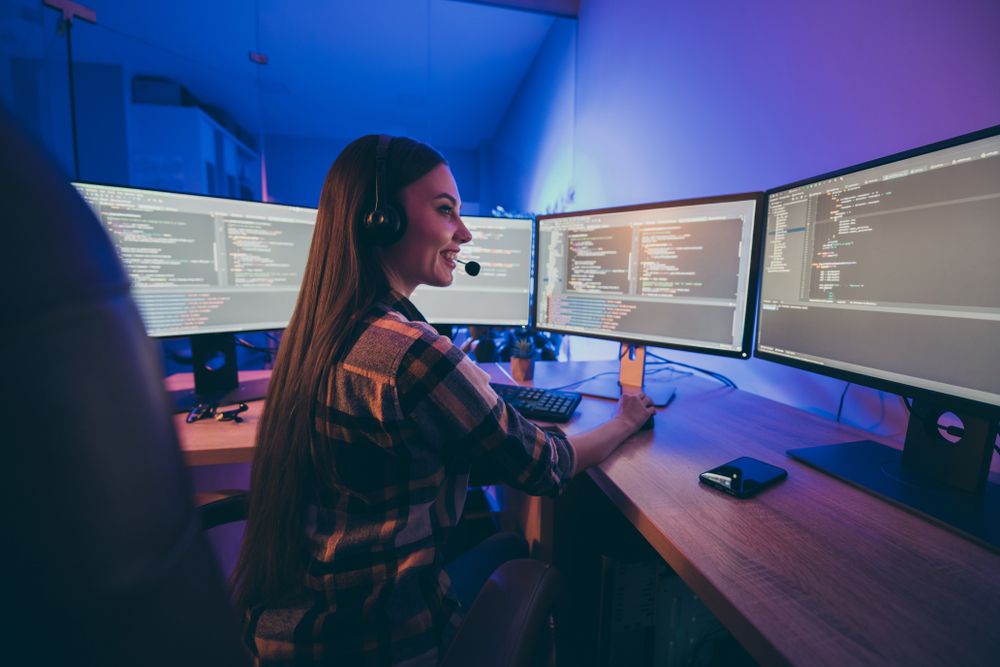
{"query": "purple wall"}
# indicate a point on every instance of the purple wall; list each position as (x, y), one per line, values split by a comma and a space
(686, 99)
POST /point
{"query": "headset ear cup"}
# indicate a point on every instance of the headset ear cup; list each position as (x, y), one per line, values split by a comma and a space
(399, 223)
(384, 226)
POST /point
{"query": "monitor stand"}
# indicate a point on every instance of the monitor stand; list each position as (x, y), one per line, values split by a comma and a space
(631, 378)
(216, 378)
(946, 482)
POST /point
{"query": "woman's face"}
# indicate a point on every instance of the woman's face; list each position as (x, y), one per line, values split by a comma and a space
(426, 253)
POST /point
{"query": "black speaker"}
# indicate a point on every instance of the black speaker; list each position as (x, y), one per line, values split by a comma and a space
(384, 224)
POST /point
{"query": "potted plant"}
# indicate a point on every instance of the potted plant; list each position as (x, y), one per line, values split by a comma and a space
(522, 359)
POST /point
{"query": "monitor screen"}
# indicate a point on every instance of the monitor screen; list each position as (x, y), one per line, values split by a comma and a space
(500, 294)
(205, 264)
(887, 273)
(676, 274)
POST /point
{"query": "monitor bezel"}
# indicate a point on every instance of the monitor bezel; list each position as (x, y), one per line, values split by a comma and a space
(531, 279)
(187, 334)
(901, 388)
(752, 281)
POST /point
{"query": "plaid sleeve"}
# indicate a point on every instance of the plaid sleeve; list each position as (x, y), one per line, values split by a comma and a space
(449, 400)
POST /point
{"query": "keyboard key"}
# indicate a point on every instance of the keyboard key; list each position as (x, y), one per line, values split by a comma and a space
(541, 404)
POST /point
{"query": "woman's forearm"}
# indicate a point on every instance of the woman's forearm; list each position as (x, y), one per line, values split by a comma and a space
(593, 446)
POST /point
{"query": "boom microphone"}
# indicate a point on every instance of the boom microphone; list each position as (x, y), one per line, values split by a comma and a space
(472, 268)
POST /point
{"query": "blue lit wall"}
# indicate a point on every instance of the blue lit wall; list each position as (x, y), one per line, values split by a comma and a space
(531, 154)
(690, 99)
(296, 168)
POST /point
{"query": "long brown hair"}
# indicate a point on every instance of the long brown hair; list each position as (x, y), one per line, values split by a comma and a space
(342, 280)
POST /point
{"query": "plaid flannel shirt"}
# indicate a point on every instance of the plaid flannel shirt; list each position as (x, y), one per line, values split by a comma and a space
(404, 416)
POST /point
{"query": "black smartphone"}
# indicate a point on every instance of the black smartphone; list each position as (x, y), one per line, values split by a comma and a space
(743, 477)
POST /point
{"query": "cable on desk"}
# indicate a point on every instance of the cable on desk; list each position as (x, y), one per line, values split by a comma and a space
(712, 374)
(646, 373)
(253, 348)
(662, 361)
(665, 367)
(579, 382)
(843, 394)
(242, 342)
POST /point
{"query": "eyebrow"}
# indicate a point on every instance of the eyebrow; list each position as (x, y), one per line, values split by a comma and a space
(454, 202)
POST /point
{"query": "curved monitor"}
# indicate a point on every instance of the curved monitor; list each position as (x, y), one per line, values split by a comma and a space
(203, 265)
(678, 274)
(886, 273)
(500, 294)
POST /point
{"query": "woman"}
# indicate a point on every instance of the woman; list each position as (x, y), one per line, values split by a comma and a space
(371, 425)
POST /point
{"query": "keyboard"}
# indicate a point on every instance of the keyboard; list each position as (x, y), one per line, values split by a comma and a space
(542, 404)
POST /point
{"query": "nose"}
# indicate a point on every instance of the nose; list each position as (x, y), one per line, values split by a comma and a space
(462, 234)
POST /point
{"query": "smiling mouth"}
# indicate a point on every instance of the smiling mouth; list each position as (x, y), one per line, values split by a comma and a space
(450, 255)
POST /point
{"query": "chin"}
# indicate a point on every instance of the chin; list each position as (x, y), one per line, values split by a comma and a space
(440, 281)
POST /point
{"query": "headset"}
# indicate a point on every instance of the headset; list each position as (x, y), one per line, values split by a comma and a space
(385, 224)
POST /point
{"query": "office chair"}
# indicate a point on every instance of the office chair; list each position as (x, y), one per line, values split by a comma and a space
(507, 624)
(107, 562)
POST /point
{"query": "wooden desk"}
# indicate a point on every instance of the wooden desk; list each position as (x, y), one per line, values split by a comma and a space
(208, 442)
(811, 572)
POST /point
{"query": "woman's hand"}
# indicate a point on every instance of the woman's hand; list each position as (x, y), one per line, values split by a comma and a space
(595, 445)
(634, 410)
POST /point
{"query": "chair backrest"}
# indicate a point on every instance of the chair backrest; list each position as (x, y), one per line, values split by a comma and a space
(506, 625)
(108, 564)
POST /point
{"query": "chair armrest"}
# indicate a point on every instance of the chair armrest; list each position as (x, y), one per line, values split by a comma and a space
(506, 619)
(215, 508)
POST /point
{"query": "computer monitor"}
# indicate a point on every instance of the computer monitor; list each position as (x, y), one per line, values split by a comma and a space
(678, 274)
(886, 274)
(500, 294)
(206, 267)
